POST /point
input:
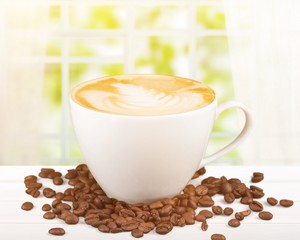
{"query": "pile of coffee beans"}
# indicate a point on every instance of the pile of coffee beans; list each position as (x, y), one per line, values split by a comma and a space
(85, 198)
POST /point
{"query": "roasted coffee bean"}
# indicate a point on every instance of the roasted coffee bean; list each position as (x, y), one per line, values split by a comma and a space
(137, 233)
(34, 192)
(116, 230)
(54, 174)
(59, 196)
(164, 228)
(27, 206)
(228, 211)
(234, 223)
(58, 181)
(226, 187)
(49, 193)
(217, 210)
(130, 225)
(46, 207)
(146, 227)
(44, 173)
(272, 201)
(34, 185)
(246, 213)
(57, 231)
(49, 215)
(246, 200)
(204, 226)
(239, 216)
(200, 218)
(166, 210)
(217, 236)
(103, 228)
(265, 215)
(200, 172)
(64, 213)
(71, 219)
(72, 173)
(206, 201)
(229, 197)
(286, 203)
(201, 190)
(192, 203)
(206, 213)
(257, 177)
(189, 217)
(112, 225)
(30, 178)
(256, 206)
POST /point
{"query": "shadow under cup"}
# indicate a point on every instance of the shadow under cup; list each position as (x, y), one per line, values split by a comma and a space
(141, 158)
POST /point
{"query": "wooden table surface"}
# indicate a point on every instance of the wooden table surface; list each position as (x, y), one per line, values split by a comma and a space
(280, 182)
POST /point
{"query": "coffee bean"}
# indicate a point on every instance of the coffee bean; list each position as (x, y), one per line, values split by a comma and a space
(257, 177)
(228, 211)
(226, 187)
(164, 228)
(239, 216)
(166, 210)
(206, 201)
(49, 215)
(49, 193)
(58, 181)
(204, 226)
(130, 225)
(246, 200)
(272, 201)
(246, 213)
(217, 236)
(71, 219)
(217, 210)
(103, 228)
(146, 227)
(206, 213)
(286, 203)
(265, 215)
(27, 206)
(189, 217)
(46, 207)
(116, 230)
(200, 218)
(57, 231)
(137, 233)
(229, 197)
(45, 172)
(34, 192)
(200, 172)
(234, 223)
(256, 206)
(34, 185)
(201, 190)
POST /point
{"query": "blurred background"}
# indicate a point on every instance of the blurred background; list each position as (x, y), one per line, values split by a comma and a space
(48, 46)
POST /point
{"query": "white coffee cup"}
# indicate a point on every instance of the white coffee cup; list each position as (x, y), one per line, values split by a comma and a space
(144, 158)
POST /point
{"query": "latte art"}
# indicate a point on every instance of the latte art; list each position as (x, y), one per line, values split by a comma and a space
(143, 95)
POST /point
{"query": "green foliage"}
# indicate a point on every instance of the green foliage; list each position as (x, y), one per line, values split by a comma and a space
(102, 17)
(211, 17)
(161, 55)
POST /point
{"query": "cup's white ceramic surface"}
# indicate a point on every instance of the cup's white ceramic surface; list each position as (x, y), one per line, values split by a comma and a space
(143, 158)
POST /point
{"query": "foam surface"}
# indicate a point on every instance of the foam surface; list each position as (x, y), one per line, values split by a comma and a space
(143, 95)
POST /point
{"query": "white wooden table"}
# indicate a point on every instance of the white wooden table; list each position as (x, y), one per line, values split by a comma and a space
(280, 182)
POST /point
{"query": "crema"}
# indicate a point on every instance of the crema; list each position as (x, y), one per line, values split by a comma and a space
(144, 95)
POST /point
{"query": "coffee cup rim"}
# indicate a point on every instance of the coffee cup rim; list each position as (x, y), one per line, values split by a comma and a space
(72, 99)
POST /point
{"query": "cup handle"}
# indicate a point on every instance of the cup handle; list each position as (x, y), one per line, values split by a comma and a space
(242, 135)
